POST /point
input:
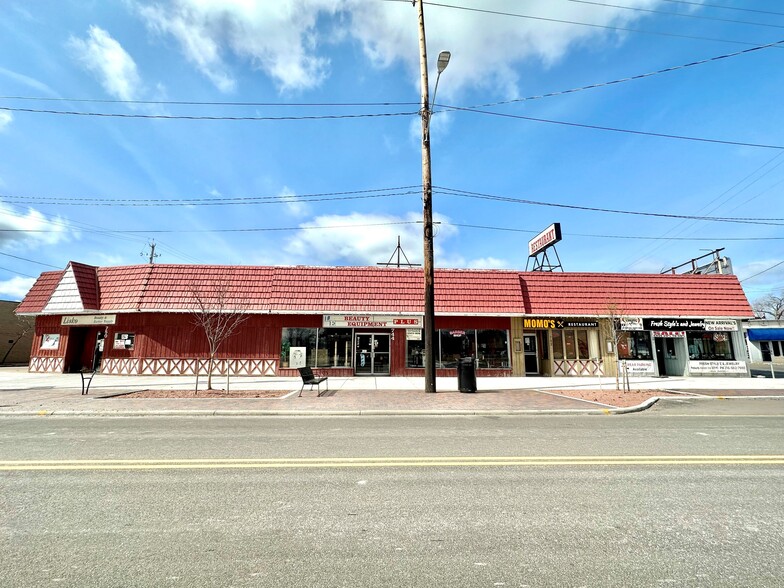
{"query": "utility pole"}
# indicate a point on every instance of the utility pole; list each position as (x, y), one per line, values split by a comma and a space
(427, 204)
(153, 255)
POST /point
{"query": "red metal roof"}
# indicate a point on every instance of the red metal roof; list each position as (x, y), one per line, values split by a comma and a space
(39, 294)
(164, 287)
(87, 283)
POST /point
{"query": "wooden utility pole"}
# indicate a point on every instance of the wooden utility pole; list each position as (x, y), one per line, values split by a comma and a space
(427, 204)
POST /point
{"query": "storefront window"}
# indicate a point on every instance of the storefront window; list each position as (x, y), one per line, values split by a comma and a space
(707, 345)
(456, 343)
(492, 348)
(634, 345)
(573, 344)
(570, 349)
(415, 353)
(298, 338)
(558, 345)
(582, 344)
(334, 348)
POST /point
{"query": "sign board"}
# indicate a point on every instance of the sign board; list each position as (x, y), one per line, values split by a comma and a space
(559, 323)
(630, 323)
(50, 341)
(550, 236)
(674, 324)
(124, 340)
(721, 325)
(717, 367)
(88, 319)
(371, 321)
(636, 367)
(413, 334)
(297, 357)
(669, 334)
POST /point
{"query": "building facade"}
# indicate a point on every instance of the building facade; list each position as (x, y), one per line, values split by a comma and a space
(350, 321)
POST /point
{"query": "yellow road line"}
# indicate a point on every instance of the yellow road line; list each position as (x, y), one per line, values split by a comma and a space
(379, 462)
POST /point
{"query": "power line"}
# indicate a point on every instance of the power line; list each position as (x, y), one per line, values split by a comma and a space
(18, 273)
(631, 78)
(613, 129)
(763, 271)
(680, 14)
(211, 103)
(208, 118)
(313, 197)
(586, 24)
(705, 5)
(30, 260)
(481, 196)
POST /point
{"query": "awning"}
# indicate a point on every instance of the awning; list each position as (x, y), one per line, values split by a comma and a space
(766, 334)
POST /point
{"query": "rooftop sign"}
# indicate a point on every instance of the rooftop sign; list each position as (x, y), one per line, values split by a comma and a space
(550, 236)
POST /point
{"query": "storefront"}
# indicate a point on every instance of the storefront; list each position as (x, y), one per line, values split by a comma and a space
(368, 321)
(765, 340)
(675, 346)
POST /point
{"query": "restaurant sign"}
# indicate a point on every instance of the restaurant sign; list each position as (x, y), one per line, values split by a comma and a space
(371, 321)
(88, 319)
(559, 323)
(550, 236)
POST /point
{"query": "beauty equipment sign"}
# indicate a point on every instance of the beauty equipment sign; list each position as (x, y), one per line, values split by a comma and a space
(88, 319)
(550, 236)
(371, 321)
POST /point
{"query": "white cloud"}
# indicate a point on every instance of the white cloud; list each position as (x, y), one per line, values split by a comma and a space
(15, 288)
(5, 120)
(106, 58)
(29, 230)
(279, 38)
(294, 206)
(285, 38)
(369, 239)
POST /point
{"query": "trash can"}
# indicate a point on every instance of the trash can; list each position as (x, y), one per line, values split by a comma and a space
(466, 374)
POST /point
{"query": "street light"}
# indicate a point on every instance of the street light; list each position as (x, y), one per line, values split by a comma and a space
(429, 330)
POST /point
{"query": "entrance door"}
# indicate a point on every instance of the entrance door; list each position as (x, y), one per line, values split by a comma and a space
(660, 356)
(765, 348)
(530, 355)
(372, 354)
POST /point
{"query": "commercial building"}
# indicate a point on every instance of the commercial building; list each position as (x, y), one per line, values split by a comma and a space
(351, 321)
(765, 340)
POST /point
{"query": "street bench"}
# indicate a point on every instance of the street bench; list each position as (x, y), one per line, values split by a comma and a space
(309, 379)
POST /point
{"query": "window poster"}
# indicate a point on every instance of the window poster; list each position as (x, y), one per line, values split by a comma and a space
(50, 341)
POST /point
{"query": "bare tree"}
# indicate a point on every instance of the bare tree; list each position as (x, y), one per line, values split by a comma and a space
(217, 317)
(21, 327)
(614, 333)
(770, 307)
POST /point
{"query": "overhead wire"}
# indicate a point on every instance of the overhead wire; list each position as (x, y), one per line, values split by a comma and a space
(763, 271)
(678, 14)
(586, 24)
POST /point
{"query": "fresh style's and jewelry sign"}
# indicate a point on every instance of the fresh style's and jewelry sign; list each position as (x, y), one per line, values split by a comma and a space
(677, 324)
(371, 321)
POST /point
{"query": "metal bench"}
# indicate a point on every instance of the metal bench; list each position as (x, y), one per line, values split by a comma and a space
(312, 380)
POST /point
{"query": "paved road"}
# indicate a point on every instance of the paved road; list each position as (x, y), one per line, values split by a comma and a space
(659, 498)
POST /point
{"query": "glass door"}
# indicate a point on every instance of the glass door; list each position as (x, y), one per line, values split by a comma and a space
(372, 354)
(530, 354)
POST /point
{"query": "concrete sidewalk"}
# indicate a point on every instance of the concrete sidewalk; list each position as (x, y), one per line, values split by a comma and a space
(23, 393)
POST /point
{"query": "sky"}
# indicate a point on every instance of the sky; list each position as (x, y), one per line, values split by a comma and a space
(288, 132)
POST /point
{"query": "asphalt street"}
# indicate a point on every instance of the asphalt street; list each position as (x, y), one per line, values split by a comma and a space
(665, 497)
